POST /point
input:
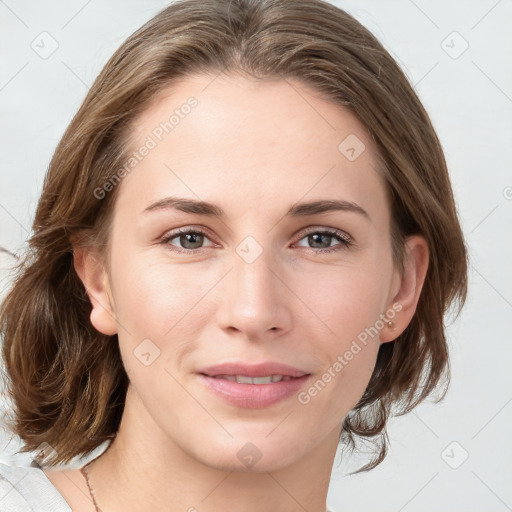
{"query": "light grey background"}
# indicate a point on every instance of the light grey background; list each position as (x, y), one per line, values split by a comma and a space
(468, 93)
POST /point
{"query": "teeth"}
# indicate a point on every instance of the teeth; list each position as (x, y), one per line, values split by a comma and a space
(232, 378)
(242, 379)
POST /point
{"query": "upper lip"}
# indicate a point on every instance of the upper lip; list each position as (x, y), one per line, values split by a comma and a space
(253, 370)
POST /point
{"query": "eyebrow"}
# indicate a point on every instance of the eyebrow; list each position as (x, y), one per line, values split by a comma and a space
(197, 207)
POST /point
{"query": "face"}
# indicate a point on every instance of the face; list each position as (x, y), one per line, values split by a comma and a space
(269, 281)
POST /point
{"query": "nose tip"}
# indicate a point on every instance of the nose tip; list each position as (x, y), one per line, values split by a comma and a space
(253, 301)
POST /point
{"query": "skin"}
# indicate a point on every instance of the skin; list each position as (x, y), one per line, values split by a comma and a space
(255, 149)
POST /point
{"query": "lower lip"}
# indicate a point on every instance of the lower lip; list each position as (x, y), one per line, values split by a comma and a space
(254, 396)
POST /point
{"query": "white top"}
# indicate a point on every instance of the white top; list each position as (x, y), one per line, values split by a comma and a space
(28, 489)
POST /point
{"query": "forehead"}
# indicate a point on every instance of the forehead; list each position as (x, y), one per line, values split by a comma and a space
(246, 143)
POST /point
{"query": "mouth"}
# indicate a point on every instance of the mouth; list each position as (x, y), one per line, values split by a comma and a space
(244, 379)
(265, 370)
(253, 386)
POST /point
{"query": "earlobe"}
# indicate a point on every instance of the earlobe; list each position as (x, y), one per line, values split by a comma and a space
(411, 283)
(91, 271)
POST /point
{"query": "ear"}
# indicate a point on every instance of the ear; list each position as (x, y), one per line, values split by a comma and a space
(410, 284)
(91, 270)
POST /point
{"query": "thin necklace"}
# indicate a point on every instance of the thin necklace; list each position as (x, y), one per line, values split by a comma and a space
(85, 471)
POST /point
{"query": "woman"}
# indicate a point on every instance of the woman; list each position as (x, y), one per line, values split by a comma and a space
(243, 252)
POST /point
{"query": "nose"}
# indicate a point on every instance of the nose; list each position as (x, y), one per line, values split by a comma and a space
(254, 299)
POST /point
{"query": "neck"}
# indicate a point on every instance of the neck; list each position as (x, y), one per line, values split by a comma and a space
(145, 470)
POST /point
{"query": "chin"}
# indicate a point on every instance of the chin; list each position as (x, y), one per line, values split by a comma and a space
(252, 454)
(263, 465)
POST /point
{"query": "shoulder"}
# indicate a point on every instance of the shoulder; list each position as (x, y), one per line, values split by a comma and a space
(27, 489)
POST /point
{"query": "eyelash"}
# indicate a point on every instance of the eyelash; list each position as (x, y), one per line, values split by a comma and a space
(345, 241)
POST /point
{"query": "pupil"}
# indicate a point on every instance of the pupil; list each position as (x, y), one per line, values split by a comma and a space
(193, 241)
(320, 236)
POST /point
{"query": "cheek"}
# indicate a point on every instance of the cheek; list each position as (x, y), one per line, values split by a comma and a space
(348, 353)
(347, 299)
(155, 304)
(354, 373)
(152, 296)
(349, 302)
(155, 296)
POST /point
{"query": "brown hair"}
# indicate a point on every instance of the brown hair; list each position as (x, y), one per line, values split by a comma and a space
(66, 379)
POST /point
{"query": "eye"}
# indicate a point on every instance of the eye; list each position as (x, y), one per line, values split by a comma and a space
(191, 239)
(323, 238)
